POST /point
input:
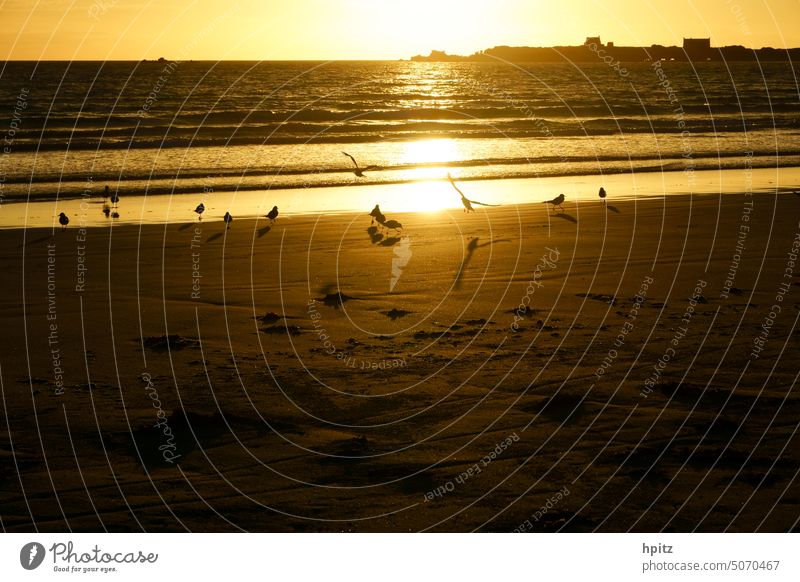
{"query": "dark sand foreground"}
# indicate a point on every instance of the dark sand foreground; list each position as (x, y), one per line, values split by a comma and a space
(439, 406)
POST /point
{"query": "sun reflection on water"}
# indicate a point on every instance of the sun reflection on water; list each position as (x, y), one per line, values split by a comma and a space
(429, 194)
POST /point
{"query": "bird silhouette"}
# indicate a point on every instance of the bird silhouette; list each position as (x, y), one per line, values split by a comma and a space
(602, 193)
(228, 219)
(273, 214)
(199, 210)
(105, 192)
(392, 225)
(556, 202)
(63, 220)
(466, 201)
(115, 198)
(106, 210)
(359, 171)
(376, 214)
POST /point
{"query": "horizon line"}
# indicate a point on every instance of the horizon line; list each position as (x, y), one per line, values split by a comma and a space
(305, 60)
(409, 58)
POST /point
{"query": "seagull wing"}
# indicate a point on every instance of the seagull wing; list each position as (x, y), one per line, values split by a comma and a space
(464, 197)
(452, 182)
(355, 163)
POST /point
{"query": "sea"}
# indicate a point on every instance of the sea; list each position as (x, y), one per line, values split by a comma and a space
(179, 127)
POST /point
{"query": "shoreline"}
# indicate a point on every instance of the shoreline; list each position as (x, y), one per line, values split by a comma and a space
(71, 186)
(423, 196)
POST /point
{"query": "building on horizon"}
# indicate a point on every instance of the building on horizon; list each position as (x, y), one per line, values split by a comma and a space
(697, 48)
(692, 49)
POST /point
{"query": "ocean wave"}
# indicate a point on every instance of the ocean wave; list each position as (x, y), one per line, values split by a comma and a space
(181, 136)
(232, 174)
(73, 186)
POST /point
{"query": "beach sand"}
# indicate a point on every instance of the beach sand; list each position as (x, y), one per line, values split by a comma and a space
(438, 406)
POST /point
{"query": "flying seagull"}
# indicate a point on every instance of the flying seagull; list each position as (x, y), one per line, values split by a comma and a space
(199, 210)
(556, 202)
(359, 171)
(273, 214)
(63, 220)
(466, 201)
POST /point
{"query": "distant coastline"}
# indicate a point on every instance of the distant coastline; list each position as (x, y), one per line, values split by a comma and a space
(692, 50)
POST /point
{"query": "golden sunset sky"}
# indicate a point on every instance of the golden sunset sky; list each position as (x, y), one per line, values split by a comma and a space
(371, 29)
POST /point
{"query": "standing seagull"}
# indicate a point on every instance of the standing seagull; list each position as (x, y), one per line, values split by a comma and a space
(466, 201)
(63, 220)
(359, 172)
(199, 210)
(115, 198)
(557, 201)
(376, 214)
(392, 225)
(272, 214)
(602, 193)
(228, 219)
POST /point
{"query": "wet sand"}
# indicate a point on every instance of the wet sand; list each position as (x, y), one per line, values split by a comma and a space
(268, 380)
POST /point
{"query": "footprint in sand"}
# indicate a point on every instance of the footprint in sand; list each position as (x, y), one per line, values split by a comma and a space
(395, 313)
